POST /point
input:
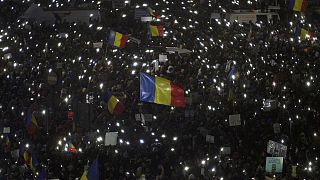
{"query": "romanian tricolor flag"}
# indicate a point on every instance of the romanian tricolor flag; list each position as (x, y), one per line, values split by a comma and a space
(115, 106)
(156, 31)
(31, 123)
(92, 173)
(117, 39)
(302, 33)
(150, 12)
(298, 5)
(25, 154)
(71, 148)
(160, 91)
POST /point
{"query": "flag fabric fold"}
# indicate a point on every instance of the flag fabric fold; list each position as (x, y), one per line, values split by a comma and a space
(161, 91)
(115, 106)
(92, 173)
(156, 31)
(31, 123)
(302, 33)
(298, 5)
(150, 12)
(117, 39)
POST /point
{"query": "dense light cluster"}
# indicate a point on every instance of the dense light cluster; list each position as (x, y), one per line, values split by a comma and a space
(262, 71)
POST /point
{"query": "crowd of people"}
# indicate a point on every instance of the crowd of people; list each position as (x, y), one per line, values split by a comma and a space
(54, 71)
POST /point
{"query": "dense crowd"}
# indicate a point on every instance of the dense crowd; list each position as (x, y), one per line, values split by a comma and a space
(271, 63)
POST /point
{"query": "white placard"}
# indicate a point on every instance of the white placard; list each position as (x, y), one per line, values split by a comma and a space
(234, 120)
(135, 40)
(225, 150)
(210, 139)
(97, 45)
(276, 149)
(146, 19)
(6, 130)
(111, 138)
(176, 49)
(7, 56)
(156, 66)
(163, 58)
(139, 12)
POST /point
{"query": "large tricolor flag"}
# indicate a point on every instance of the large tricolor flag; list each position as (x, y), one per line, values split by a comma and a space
(117, 39)
(156, 31)
(92, 173)
(298, 5)
(160, 91)
(115, 106)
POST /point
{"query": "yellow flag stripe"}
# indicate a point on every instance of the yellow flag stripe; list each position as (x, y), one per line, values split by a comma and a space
(163, 91)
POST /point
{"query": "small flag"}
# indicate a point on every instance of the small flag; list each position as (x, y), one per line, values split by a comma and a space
(117, 39)
(92, 173)
(150, 12)
(72, 148)
(115, 106)
(160, 91)
(298, 5)
(31, 123)
(156, 31)
(25, 154)
(234, 73)
(302, 33)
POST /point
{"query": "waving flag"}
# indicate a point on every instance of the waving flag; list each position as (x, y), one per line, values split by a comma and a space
(298, 5)
(31, 123)
(72, 148)
(150, 12)
(117, 39)
(156, 31)
(160, 91)
(234, 73)
(25, 154)
(92, 173)
(115, 106)
(302, 33)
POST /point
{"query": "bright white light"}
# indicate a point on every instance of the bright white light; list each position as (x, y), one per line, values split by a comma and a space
(186, 168)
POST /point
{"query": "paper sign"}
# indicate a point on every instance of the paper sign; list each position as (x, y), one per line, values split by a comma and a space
(274, 164)
(146, 19)
(163, 58)
(111, 138)
(210, 139)
(276, 149)
(234, 120)
(97, 45)
(156, 66)
(294, 171)
(225, 150)
(6, 130)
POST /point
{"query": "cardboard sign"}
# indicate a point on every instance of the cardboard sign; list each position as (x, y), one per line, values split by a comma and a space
(6, 130)
(111, 138)
(274, 164)
(97, 45)
(225, 150)
(163, 58)
(234, 120)
(276, 149)
(210, 139)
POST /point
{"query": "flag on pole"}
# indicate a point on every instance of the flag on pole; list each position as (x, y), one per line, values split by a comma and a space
(117, 39)
(298, 5)
(150, 12)
(115, 106)
(156, 31)
(160, 91)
